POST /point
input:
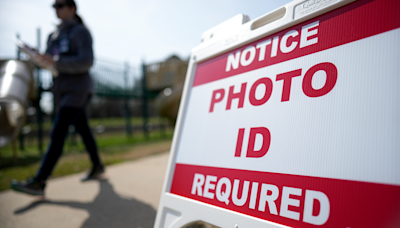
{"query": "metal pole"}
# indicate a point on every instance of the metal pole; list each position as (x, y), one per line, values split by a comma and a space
(18, 50)
(21, 141)
(144, 102)
(127, 112)
(38, 39)
(39, 109)
(21, 136)
(162, 126)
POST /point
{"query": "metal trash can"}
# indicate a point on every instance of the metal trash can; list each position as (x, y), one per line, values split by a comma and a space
(16, 85)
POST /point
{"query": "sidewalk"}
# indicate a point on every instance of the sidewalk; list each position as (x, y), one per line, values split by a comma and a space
(127, 197)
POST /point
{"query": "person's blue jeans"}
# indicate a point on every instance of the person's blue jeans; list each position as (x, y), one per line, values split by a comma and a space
(67, 116)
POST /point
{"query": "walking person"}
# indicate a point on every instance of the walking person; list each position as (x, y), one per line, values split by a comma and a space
(69, 49)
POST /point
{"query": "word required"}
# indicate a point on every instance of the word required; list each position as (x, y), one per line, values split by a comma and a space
(287, 44)
(331, 77)
(223, 190)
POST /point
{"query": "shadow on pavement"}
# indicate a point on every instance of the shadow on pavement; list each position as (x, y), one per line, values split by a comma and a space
(107, 210)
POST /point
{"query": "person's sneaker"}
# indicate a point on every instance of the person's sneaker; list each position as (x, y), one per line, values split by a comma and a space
(95, 173)
(31, 186)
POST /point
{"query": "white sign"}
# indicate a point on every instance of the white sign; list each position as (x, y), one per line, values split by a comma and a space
(295, 128)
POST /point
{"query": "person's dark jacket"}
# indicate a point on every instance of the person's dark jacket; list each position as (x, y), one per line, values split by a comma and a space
(71, 48)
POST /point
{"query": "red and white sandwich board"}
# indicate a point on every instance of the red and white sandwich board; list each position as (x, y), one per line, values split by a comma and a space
(291, 120)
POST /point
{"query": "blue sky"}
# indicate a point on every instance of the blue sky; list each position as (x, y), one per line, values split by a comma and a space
(128, 30)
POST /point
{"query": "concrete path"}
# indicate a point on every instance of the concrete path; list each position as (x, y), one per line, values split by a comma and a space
(127, 197)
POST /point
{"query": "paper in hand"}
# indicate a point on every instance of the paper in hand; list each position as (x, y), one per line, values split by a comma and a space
(34, 56)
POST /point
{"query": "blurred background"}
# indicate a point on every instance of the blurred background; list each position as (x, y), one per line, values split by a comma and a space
(141, 57)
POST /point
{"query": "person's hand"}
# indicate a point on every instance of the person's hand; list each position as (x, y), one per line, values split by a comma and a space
(47, 59)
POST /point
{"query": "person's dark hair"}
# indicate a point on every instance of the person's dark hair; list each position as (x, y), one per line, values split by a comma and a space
(71, 3)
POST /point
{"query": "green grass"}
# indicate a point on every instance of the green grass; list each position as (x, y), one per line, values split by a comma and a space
(122, 121)
(107, 122)
(114, 148)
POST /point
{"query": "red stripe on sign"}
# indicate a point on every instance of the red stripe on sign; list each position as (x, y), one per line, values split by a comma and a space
(358, 20)
(291, 200)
